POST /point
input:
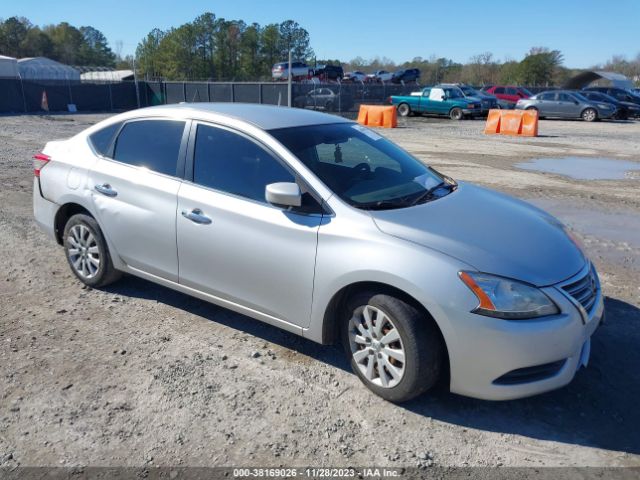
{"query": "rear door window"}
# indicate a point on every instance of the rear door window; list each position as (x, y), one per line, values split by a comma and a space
(152, 144)
(499, 90)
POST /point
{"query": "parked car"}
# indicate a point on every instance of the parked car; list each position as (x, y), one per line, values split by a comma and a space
(407, 75)
(324, 99)
(448, 101)
(487, 101)
(380, 76)
(618, 93)
(624, 109)
(280, 71)
(567, 104)
(509, 94)
(354, 77)
(328, 72)
(322, 227)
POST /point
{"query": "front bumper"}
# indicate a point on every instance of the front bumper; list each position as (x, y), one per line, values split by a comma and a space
(473, 112)
(486, 350)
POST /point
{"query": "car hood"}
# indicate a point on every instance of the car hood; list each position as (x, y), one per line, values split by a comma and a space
(492, 232)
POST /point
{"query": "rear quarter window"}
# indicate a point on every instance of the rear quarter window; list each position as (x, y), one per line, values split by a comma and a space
(102, 139)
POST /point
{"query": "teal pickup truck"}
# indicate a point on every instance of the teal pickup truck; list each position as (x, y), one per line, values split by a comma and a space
(449, 101)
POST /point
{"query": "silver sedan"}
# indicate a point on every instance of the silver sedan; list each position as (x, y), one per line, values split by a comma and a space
(567, 104)
(317, 225)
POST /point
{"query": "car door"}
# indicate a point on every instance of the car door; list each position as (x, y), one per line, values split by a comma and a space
(438, 102)
(234, 245)
(545, 104)
(134, 192)
(568, 106)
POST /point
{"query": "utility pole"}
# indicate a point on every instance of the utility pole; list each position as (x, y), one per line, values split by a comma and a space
(135, 81)
(290, 74)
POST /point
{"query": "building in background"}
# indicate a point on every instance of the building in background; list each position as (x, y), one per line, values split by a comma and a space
(107, 76)
(8, 67)
(41, 68)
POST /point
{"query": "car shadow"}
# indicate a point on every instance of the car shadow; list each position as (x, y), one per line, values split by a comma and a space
(130, 286)
(598, 409)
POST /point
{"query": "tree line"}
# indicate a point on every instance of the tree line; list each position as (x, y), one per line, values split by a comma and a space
(217, 49)
(211, 48)
(62, 42)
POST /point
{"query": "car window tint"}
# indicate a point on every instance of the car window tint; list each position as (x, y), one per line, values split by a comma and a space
(563, 97)
(101, 140)
(229, 162)
(512, 91)
(153, 144)
(499, 90)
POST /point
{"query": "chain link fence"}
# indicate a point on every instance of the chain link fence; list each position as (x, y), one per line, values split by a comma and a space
(26, 96)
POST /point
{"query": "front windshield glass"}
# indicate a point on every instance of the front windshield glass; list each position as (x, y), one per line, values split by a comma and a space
(581, 97)
(361, 167)
(526, 92)
(468, 91)
(454, 93)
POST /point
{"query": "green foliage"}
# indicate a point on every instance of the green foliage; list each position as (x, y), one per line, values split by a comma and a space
(211, 48)
(62, 42)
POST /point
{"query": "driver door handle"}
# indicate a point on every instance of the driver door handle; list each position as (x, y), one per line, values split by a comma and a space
(106, 189)
(196, 216)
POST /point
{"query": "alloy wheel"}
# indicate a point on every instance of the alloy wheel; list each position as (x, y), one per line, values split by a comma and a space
(83, 251)
(376, 347)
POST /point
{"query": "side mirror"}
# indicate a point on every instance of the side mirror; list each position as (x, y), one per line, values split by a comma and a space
(283, 194)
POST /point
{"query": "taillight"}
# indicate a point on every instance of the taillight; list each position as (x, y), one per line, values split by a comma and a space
(39, 161)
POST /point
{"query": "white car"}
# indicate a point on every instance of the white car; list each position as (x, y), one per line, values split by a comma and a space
(280, 71)
(380, 76)
(322, 227)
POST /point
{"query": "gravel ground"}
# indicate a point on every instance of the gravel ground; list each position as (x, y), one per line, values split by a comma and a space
(137, 374)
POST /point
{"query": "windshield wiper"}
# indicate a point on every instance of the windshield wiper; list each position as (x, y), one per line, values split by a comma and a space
(447, 182)
(386, 204)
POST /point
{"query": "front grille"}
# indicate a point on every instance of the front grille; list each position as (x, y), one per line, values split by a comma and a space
(585, 290)
(530, 374)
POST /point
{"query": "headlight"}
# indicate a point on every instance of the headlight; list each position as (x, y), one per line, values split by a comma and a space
(505, 298)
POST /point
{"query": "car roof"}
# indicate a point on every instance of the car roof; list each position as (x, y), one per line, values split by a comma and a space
(266, 117)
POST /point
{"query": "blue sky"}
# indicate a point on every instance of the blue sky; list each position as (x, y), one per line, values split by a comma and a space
(586, 31)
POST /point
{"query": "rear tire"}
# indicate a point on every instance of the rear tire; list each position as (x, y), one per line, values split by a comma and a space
(404, 110)
(87, 253)
(456, 114)
(589, 115)
(408, 362)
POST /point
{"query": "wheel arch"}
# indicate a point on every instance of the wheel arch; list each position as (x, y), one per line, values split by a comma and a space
(331, 318)
(64, 213)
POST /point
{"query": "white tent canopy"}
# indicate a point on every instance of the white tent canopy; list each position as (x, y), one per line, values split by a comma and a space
(108, 75)
(8, 67)
(41, 68)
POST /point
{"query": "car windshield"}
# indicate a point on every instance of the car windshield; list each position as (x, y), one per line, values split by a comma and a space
(454, 92)
(525, 91)
(468, 91)
(580, 97)
(361, 167)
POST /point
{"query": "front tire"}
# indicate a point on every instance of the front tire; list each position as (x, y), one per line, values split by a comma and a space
(394, 349)
(87, 253)
(456, 114)
(404, 110)
(589, 115)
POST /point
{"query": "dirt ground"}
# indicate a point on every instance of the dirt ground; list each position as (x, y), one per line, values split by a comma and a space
(137, 374)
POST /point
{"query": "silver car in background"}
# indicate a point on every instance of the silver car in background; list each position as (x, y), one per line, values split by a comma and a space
(567, 104)
(317, 225)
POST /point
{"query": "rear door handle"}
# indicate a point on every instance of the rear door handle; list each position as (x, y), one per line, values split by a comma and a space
(106, 189)
(196, 216)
